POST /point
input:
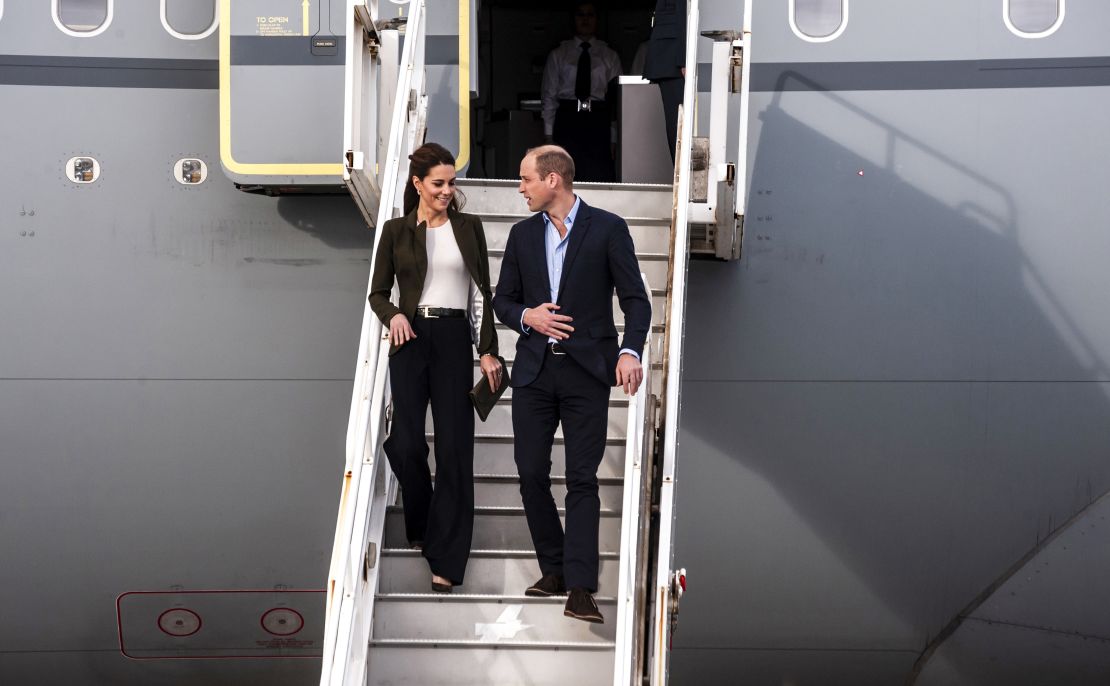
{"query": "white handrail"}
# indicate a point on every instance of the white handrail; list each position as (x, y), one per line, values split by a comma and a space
(673, 373)
(636, 442)
(352, 578)
(742, 126)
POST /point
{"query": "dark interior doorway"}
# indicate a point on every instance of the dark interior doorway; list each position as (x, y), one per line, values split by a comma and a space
(514, 39)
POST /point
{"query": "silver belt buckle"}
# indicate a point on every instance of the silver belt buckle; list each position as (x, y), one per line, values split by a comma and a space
(583, 105)
(426, 313)
(552, 346)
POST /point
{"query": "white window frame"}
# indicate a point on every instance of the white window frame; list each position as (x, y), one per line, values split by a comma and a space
(82, 34)
(177, 169)
(1061, 4)
(71, 167)
(818, 39)
(189, 36)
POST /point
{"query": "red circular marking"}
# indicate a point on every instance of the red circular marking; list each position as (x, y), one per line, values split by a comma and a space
(180, 622)
(293, 626)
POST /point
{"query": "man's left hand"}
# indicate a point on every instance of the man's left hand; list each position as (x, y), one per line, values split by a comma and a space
(629, 373)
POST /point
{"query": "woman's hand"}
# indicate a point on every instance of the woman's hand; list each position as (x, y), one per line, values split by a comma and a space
(491, 369)
(400, 331)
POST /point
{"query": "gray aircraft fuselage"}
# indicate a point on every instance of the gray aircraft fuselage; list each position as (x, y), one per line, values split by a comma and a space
(895, 430)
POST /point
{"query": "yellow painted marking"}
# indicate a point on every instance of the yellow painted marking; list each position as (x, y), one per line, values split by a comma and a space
(275, 169)
(304, 18)
(464, 85)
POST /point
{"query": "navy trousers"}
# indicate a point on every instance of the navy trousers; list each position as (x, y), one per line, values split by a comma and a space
(562, 392)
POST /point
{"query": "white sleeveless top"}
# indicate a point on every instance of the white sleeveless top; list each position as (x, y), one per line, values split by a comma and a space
(447, 283)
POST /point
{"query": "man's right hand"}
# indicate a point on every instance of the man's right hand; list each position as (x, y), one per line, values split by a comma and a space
(542, 319)
(400, 331)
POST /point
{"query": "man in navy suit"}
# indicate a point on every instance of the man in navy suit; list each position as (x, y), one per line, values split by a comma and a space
(558, 276)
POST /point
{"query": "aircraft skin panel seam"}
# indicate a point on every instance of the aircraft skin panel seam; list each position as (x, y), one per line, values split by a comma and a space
(1043, 629)
(136, 72)
(1050, 72)
(965, 614)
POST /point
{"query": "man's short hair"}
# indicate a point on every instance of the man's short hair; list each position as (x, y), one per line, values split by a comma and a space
(552, 158)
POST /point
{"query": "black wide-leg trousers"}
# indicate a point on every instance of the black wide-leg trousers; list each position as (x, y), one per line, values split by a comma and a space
(436, 366)
(562, 392)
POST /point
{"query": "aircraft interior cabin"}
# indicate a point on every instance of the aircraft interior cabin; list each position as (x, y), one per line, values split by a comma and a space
(513, 42)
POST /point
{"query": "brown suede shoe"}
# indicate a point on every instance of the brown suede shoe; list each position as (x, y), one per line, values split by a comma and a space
(547, 586)
(581, 605)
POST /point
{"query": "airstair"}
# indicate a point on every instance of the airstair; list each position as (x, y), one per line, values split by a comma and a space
(384, 625)
(487, 627)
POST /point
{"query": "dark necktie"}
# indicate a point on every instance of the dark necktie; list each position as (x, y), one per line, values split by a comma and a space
(582, 80)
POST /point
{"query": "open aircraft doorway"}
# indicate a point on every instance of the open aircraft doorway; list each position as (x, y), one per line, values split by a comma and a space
(514, 39)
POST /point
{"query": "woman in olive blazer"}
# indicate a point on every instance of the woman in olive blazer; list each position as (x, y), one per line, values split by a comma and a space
(437, 256)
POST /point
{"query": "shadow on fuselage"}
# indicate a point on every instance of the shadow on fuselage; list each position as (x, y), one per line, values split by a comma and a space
(333, 219)
(900, 410)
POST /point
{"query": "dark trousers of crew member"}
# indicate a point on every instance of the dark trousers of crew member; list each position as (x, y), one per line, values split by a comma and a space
(436, 366)
(586, 136)
(564, 392)
(671, 91)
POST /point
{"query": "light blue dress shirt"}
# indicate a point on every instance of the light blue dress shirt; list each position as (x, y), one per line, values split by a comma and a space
(556, 248)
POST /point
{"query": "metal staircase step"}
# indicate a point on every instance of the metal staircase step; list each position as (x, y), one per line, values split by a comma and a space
(500, 420)
(501, 196)
(498, 458)
(498, 572)
(503, 490)
(501, 528)
(419, 663)
(483, 436)
(486, 618)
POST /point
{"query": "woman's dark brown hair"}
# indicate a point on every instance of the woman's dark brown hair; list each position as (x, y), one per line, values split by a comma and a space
(421, 162)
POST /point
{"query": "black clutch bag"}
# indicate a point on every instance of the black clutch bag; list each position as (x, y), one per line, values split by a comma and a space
(483, 398)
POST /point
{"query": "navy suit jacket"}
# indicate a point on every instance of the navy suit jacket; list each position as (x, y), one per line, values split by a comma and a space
(666, 51)
(600, 259)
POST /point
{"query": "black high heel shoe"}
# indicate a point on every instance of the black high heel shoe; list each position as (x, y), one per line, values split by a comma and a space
(441, 588)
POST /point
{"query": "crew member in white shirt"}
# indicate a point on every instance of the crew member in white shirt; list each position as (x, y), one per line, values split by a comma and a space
(576, 113)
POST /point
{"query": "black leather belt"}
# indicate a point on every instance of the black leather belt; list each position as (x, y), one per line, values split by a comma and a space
(556, 349)
(439, 312)
(581, 105)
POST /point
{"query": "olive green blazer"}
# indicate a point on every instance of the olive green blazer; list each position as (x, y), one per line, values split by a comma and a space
(403, 255)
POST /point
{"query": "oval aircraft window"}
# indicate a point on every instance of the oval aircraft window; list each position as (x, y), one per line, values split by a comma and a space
(189, 19)
(1033, 18)
(83, 170)
(818, 21)
(190, 171)
(82, 18)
